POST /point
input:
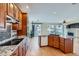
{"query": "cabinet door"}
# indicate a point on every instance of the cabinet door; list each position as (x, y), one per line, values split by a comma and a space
(50, 40)
(62, 43)
(16, 11)
(2, 14)
(20, 21)
(20, 50)
(14, 26)
(15, 53)
(11, 9)
(56, 41)
(24, 47)
(24, 51)
(68, 45)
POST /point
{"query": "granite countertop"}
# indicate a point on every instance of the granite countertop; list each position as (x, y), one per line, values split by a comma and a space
(6, 50)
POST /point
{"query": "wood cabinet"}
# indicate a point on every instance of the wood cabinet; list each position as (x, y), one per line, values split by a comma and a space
(14, 26)
(50, 40)
(24, 50)
(56, 41)
(15, 53)
(61, 43)
(20, 21)
(24, 47)
(53, 40)
(16, 12)
(3, 10)
(23, 31)
(66, 45)
(10, 9)
(21, 49)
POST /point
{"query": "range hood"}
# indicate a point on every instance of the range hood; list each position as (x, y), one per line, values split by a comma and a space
(70, 21)
(11, 20)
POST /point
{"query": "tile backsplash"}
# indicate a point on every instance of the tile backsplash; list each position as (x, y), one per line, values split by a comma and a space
(5, 34)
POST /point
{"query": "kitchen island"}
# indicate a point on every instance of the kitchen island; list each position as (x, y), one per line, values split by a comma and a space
(65, 44)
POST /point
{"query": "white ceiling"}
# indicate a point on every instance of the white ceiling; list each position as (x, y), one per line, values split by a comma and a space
(50, 12)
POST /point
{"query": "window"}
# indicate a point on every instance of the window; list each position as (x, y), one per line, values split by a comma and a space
(55, 29)
(59, 29)
(51, 29)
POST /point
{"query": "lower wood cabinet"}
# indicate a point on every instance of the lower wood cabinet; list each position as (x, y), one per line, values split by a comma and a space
(50, 40)
(53, 41)
(56, 41)
(21, 49)
(15, 53)
(14, 26)
(24, 50)
(66, 45)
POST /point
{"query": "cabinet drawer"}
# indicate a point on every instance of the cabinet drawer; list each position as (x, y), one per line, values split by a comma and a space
(56, 45)
(61, 40)
(61, 47)
(62, 44)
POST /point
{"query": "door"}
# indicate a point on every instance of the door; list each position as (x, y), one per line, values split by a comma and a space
(37, 30)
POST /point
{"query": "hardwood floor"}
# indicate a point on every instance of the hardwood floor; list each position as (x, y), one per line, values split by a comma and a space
(35, 50)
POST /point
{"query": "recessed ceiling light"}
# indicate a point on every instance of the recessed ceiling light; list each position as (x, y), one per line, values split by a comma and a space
(27, 7)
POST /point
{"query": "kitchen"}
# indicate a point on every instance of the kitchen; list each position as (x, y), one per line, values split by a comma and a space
(21, 22)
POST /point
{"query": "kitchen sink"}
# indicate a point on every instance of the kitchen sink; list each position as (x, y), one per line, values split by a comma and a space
(12, 42)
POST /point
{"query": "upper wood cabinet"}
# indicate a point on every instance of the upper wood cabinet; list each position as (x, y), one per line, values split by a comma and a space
(23, 31)
(14, 26)
(2, 14)
(20, 20)
(10, 9)
(16, 12)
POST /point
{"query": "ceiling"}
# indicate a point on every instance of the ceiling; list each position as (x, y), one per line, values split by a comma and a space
(50, 12)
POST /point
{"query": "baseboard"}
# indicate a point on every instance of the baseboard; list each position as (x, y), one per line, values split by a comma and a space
(44, 46)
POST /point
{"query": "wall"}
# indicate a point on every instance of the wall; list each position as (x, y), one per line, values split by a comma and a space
(44, 28)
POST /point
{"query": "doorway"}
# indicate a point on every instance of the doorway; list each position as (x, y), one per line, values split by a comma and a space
(36, 29)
